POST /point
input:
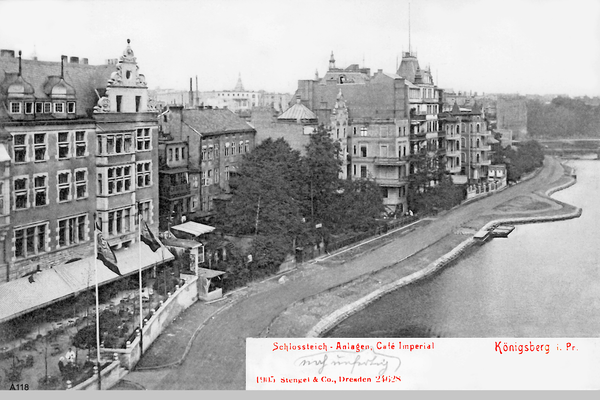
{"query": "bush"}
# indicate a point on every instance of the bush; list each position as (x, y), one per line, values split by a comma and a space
(49, 382)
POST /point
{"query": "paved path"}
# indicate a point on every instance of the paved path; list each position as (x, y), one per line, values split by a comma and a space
(216, 359)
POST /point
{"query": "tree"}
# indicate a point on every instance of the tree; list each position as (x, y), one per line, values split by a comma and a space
(359, 204)
(321, 168)
(265, 193)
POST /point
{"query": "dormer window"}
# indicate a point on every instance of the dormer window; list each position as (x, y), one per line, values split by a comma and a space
(59, 107)
(47, 108)
(15, 107)
(71, 107)
(29, 107)
(39, 108)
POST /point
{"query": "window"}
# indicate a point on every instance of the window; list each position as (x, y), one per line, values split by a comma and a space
(216, 178)
(354, 131)
(177, 154)
(204, 148)
(115, 144)
(63, 145)
(71, 231)
(363, 150)
(15, 108)
(100, 189)
(47, 108)
(39, 146)
(363, 171)
(226, 172)
(40, 189)
(71, 107)
(20, 189)
(19, 148)
(119, 221)
(64, 186)
(29, 108)
(144, 174)
(384, 192)
(59, 107)
(138, 102)
(119, 179)
(81, 183)
(354, 170)
(30, 241)
(364, 131)
(143, 139)
(227, 149)
(232, 148)
(241, 147)
(204, 180)
(119, 100)
(170, 154)
(211, 152)
(39, 108)
(209, 176)
(246, 146)
(145, 210)
(80, 144)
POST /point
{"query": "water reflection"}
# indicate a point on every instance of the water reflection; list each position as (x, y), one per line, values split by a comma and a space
(542, 281)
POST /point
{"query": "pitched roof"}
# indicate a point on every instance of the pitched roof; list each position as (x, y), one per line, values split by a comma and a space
(408, 67)
(82, 78)
(298, 112)
(207, 121)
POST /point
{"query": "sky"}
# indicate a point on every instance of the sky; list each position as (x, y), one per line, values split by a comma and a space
(484, 46)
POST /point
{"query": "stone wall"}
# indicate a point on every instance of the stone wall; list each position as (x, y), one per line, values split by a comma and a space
(170, 309)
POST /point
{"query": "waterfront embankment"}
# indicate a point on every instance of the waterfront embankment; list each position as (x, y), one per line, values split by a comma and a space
(324, 310)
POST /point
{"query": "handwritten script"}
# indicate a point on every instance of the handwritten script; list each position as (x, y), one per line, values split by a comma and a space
(367, 361)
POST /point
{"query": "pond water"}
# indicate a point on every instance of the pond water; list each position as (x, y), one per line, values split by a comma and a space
(541, 281)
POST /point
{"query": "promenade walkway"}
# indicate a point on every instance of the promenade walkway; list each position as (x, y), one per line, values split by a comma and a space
(212, 336)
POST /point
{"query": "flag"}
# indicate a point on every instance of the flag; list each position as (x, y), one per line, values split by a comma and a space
(105, 253)
(147, 236)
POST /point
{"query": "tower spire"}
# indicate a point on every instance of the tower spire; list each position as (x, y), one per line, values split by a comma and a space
(409, 49)
(331, 61)
(19, 62)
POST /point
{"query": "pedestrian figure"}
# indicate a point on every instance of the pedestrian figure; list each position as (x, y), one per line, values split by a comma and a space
(70, 356)
(61, 365)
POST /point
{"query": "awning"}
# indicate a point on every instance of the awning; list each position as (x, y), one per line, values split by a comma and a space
(183, 243)
(193, 228)
(51, 285)
(209, 273)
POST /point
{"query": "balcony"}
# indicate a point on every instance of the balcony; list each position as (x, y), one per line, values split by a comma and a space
(175, 191)
(452, 153)
(483, 148)
(390, 161)
(482, 162)
(454, 170)
(391, 182)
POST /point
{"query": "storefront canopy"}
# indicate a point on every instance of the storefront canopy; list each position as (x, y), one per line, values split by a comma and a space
(193, 228)
(21, 296)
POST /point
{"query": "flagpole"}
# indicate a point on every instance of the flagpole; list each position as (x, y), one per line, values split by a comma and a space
(140, 279)
(97, 305)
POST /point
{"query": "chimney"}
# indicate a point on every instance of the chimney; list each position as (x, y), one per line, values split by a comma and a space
(74, 60)
(64, 59)
(84, 61)
(7, 53)
(191, 94)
